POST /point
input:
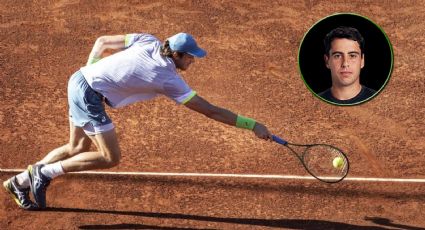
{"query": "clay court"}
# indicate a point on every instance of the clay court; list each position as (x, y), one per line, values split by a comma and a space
(251, 69)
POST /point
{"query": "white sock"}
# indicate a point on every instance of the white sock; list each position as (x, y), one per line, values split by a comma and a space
(23, 179)
(53, 170)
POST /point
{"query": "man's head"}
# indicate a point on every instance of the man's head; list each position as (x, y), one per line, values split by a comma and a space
(183, 49)
(344, 56)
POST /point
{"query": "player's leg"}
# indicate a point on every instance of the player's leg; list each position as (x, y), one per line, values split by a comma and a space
(18, 186)
(106, 156)
(78, 142)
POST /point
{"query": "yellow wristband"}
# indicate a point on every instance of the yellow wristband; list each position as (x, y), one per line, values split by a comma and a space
(245, 122)
(93, 60)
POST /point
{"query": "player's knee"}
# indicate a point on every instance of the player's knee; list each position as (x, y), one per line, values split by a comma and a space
(81, 147)
(112, 159)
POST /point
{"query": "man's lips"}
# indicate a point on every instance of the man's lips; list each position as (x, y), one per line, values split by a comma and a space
(345, 72)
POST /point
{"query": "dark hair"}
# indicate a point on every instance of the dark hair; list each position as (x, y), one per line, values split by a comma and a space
(167, 51)
(343, 32)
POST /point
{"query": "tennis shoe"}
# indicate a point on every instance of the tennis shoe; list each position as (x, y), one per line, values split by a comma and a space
(20, 195)
(38, 184)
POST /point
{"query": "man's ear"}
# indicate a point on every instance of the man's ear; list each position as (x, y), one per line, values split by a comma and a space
(326, 60)
(175, 55)
(362, 65)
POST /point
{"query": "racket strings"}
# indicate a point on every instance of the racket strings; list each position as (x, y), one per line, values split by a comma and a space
(318, 159)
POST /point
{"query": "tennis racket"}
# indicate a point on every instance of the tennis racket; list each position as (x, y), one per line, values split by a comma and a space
(324, 162)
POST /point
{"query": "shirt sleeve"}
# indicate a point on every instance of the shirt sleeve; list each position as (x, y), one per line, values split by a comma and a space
(130, 39)
(178, 90)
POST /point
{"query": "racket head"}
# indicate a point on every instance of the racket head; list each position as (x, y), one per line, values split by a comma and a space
(318, 159)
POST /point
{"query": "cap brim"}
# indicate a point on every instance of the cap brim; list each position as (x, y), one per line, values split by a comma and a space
(199, 53)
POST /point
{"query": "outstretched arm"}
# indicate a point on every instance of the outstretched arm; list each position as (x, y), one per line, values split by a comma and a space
(103, 43)
(202, 106)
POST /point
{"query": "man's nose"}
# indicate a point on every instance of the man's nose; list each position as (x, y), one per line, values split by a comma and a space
(345, 62)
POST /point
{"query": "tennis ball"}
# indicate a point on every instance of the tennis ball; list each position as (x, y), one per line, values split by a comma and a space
(338, 162)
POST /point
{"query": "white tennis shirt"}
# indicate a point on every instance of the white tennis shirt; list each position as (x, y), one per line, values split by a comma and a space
(137, 73)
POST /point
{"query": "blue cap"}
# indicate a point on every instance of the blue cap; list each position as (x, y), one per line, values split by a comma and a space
(185, 43)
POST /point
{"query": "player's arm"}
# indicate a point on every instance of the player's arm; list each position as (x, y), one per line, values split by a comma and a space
(103, 43)
(202, 106)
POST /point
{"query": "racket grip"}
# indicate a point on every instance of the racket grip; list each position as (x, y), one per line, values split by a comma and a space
(279, 140)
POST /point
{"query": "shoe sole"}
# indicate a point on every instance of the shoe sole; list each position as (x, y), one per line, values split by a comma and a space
(11, 194)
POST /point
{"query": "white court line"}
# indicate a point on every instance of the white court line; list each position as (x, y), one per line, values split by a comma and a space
(255, 176)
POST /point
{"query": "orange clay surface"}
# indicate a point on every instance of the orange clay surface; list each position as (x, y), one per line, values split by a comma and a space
(251, 69)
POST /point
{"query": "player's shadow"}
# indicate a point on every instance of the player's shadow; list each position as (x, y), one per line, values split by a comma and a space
(389, 223)
(277, 223)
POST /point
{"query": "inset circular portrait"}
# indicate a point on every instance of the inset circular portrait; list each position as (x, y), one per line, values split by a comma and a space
(345, 59)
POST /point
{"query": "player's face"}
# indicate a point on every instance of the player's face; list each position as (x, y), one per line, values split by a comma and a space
(345, 62)
(184, 61)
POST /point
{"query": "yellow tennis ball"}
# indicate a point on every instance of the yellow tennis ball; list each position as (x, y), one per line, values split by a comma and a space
(338, 162)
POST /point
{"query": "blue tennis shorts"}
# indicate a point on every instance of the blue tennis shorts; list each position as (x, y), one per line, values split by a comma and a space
(86, 107)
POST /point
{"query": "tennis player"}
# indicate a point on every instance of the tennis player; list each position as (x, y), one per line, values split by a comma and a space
(344, 57)
(143, 69)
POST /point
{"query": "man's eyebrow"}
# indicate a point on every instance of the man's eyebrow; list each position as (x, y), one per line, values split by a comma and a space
(336, 52)
(354, 52)
(339, 52)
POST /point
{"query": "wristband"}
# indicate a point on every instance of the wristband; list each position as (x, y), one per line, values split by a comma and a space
(93, 60)
(245, 122)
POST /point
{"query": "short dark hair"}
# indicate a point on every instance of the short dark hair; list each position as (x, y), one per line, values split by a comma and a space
(343, 32)
(167, 51)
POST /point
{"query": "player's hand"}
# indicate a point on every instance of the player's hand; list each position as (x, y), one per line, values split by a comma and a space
(262, 132)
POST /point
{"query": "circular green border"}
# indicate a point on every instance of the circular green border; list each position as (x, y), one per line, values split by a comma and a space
(391, 66)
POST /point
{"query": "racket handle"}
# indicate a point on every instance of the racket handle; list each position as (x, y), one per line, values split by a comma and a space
(279, 140)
